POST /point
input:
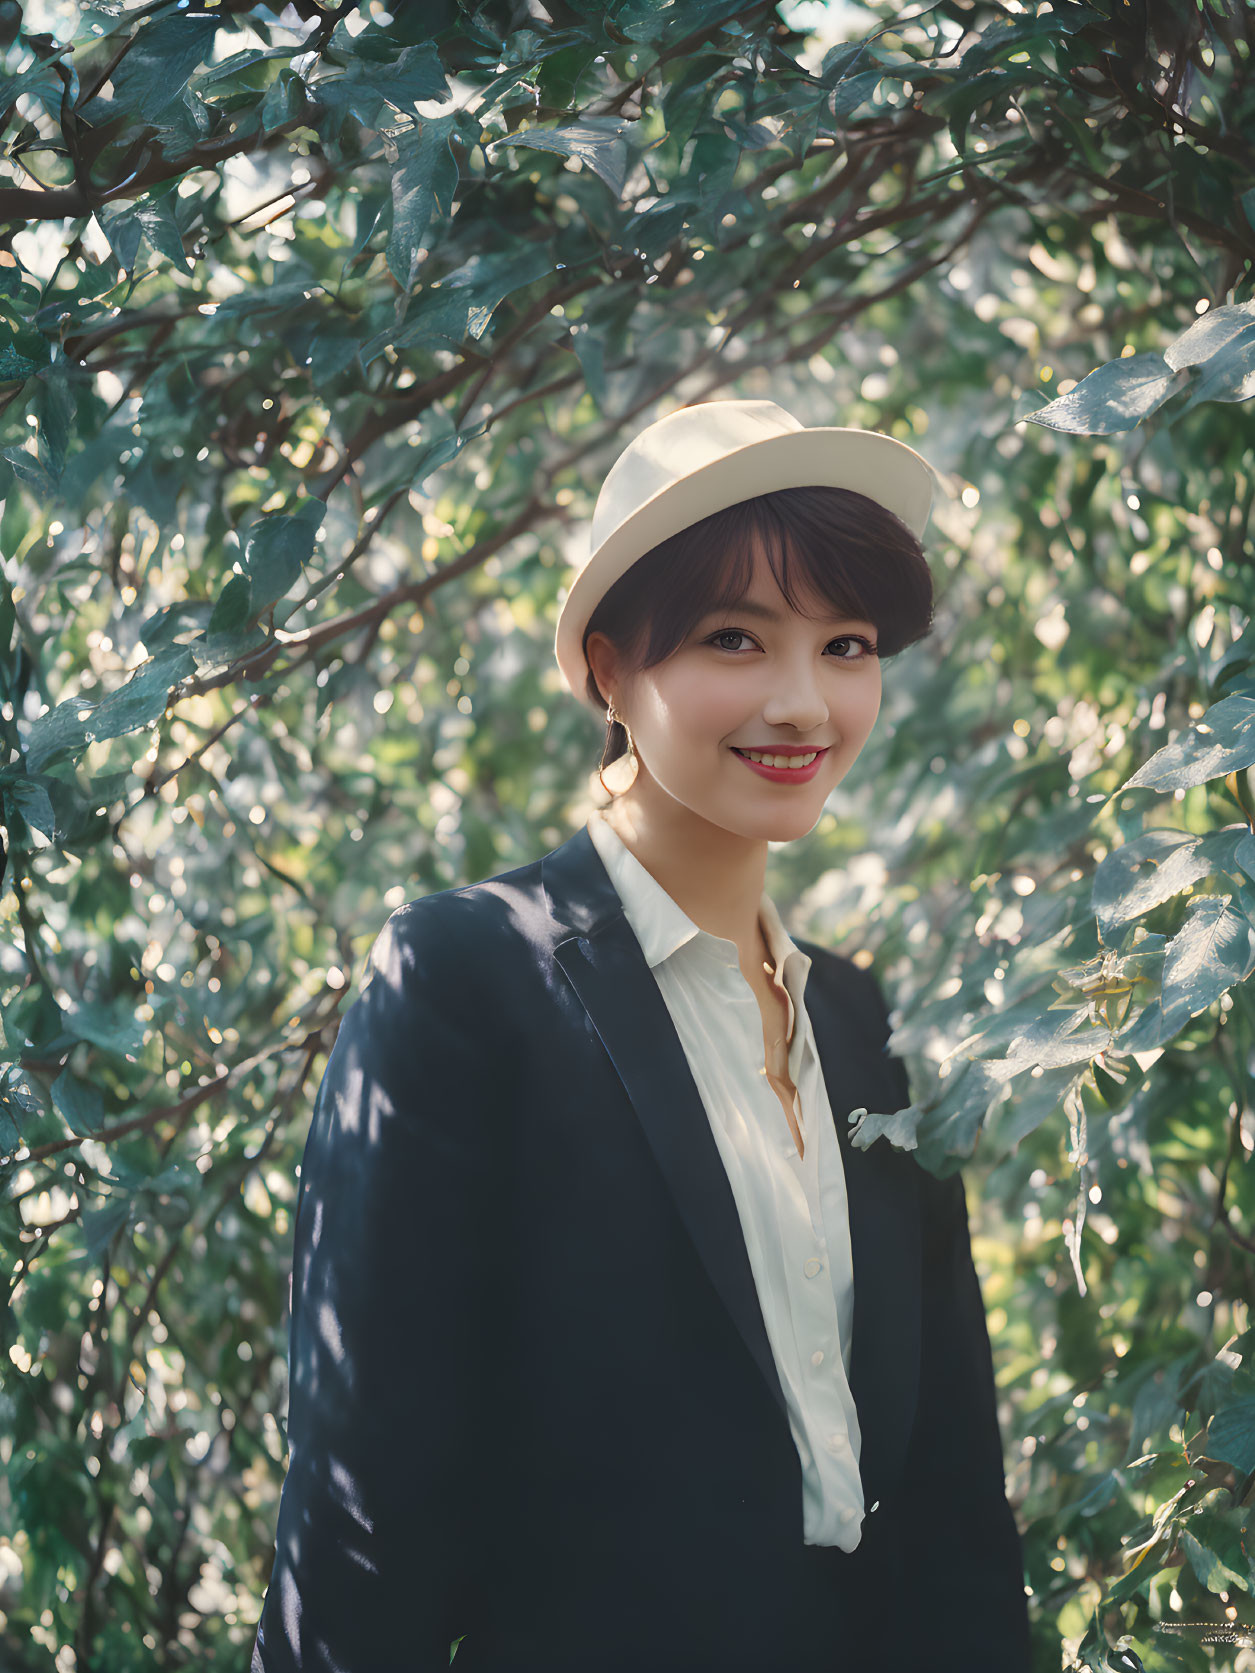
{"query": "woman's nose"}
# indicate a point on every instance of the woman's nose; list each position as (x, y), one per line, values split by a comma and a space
(795, 700)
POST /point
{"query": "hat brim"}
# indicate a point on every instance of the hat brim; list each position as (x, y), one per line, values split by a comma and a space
(883, 468)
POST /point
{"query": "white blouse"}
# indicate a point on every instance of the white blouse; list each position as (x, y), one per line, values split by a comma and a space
(793, 1209)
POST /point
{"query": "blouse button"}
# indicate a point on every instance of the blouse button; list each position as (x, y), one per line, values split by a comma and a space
(817, 1358)
(849, 1513)
(812, 1267)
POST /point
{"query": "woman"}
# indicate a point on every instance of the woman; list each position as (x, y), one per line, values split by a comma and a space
(610, 1352)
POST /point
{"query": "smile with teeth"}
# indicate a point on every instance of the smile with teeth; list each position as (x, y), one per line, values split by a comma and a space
(778, 760)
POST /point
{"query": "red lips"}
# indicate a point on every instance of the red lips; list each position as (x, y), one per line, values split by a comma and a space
(784, 775)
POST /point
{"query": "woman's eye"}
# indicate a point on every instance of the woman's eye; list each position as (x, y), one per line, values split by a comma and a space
(866, 648)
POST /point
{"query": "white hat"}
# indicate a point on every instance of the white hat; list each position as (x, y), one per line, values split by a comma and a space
(701, 458)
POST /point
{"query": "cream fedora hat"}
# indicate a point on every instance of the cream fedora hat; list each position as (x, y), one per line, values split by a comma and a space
(702, 458)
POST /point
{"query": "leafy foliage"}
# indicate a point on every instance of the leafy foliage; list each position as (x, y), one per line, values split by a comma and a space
(318, 330)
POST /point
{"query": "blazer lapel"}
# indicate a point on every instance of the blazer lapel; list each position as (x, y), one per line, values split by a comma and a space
(605, 965)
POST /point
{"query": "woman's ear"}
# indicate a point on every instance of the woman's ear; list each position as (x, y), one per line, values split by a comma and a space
(603, 660)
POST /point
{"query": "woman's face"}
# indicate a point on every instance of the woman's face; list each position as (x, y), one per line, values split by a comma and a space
(758, 678)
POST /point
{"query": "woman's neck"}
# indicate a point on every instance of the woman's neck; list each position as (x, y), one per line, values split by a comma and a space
(712, 874)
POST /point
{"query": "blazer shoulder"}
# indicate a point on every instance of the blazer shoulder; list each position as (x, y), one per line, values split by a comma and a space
(452, 933)
(462, 901)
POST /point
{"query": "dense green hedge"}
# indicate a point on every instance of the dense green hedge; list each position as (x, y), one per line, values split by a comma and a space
(318, 329)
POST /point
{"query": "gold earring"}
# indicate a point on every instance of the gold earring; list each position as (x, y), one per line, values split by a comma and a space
(611, 717)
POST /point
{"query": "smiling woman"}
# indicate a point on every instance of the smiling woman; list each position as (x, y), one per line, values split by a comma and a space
(677, 1377)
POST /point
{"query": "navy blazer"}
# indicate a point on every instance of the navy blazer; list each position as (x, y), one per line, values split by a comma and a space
(532, 1402)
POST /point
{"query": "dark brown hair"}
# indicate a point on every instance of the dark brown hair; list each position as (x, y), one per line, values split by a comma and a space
(830, 543)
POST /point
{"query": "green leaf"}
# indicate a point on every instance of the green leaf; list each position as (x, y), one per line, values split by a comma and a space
(276, 550)
(185, 619)
(439, 442)
(284, 102)
(415, 76)
(22, 352)
(54, 408)
(1000, 37)
(14, 279)
(1244, 854)
(1231, 1435)
(1231, 851)
(1221, 741)
(1102, 1494)
(1223, 343)
(82, 1107)
(1142, 873)
(121, 227)
(39, 78)
(949, 1126)
(969, 94)
(852, 92)
(72, 725)
(1214, 1548)
(268, 299)
(160, 227)
(1228, 376)
(331, 354)
(898, 1128)
(712, 169)
(1217, 328)
(465, 301)
(654, 230)
(151, 218)
(424, 173)
(800, 124)
(238, 63)
(113, 1027)
(590, 351)
(1034, 1100)
(100, 1225)
(158, 67)
(1212, 952)
(598, 141)
(30, 797)
(27, 468)
(20, 1109)
(659, 25)
(561, 69)
(1113, 397)
(842, 60)
(154, 483)
(234, 609)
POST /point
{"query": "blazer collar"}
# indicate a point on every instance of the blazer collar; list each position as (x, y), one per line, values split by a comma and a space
(603, 960)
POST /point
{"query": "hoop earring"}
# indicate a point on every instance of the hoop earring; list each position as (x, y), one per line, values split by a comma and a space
(613, 718)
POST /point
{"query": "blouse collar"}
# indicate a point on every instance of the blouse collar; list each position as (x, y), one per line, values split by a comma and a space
(662, 927)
